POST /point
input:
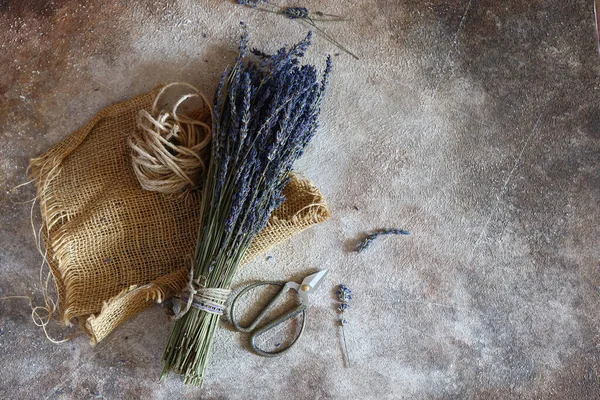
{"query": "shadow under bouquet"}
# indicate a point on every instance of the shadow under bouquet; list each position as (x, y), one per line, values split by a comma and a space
(265, 113)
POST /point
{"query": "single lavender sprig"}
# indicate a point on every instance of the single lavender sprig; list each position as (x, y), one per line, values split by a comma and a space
(366, 242)
(301, 14)
(344, 294)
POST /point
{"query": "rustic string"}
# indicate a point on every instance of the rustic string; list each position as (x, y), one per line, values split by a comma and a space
(309, 206)
(19, 186)
(170, 150)
(195, 294)
(50, 307)
(44, 314)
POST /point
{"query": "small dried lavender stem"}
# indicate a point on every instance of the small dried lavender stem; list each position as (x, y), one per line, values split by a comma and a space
(329, 37)
(344, 294)
(332, 20)
(333, 17)
(344, 339)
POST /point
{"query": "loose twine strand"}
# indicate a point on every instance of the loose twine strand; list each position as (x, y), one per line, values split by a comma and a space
(170, 150)
(44, 314)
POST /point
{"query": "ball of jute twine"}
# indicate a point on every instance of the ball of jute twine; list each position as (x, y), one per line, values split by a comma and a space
(170, 150)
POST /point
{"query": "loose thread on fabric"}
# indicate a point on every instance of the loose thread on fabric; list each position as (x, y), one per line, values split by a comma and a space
(309, 206)
(44, 314)
(50, 307)
(210, 300)
(19, 186)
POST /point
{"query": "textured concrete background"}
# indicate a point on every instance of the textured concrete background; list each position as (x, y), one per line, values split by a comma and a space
(473, 124)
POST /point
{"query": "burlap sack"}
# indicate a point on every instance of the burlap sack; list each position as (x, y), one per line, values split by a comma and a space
(115, 249)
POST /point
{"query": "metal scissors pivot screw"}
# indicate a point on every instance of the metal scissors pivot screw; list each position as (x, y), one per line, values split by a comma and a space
(308, 285)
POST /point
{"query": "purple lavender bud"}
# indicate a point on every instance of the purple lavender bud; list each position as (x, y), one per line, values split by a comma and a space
(221, 178)
(296, 12)
(259, 53)
(243, 48)
(246, 89)
(344, 294)
(250, 3)
(366, 242)
(326, 73)
(218, 105)
(299, 49)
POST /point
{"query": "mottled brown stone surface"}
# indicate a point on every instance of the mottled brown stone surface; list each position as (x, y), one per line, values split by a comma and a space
(473, 124)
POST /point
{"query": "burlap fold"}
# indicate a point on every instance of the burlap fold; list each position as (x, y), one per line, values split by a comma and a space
(115, 249)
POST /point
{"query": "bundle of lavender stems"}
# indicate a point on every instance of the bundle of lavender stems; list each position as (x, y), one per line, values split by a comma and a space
(265, 113)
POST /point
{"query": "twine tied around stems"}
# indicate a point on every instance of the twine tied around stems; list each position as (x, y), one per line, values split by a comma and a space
(196, 295)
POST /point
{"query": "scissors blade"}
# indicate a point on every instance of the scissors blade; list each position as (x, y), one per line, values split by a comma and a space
(315, 280)
(309, 284)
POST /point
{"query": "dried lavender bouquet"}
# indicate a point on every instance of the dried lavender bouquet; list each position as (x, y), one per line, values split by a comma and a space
(265, 113)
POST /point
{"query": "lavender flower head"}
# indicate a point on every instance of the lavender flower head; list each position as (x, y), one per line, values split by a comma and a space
(366, 242)
(296, 12)
(344, 294)
(300, 14)
(251, 3)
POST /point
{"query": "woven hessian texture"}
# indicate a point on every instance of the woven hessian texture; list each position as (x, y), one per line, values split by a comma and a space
(115, 249)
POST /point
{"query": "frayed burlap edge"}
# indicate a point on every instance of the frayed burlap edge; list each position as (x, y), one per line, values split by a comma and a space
(44, 170)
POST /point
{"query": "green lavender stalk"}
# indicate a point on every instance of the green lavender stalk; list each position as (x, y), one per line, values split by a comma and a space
(344, 295)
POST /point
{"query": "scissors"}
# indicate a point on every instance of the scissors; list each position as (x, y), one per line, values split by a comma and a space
(304, 289)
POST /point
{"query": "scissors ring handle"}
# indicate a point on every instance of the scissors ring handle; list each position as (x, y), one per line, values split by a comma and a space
(263, 313)
(300, 309)
(285, 317)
